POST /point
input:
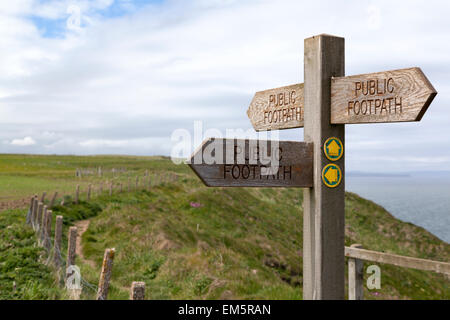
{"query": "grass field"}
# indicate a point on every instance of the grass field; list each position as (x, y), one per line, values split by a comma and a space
(187, 241)
(24, 175)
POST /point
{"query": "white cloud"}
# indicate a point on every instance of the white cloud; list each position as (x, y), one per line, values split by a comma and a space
(122, 80)
(27, 141)
(99, 143)
(122, 143)
(58, 9)
(374, 17)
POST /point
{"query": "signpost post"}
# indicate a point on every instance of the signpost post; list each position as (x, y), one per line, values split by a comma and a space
(322, 105)
(323, 207)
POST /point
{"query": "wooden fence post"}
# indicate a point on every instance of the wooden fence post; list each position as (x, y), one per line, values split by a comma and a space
(43, 224)
(57, 242)
(52, 202)
(77, 194)
(121, 188)
(149, 183)
(30, 213)
(48, 230)
(35, 205)
(89, 192)
(40, 207)
(34, 212)
(71, 248)
(137, 291)
(43, 196)
(105, 275)
(355, 277)
(129, 184)
(111, 189)
(137, 182)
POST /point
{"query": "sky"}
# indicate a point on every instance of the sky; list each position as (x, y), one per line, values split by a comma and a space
(120, 76)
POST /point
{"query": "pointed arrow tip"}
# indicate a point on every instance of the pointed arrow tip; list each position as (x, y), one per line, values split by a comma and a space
(431, 93)
(426, 105)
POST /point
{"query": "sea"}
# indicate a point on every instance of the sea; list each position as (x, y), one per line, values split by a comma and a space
(422, 198)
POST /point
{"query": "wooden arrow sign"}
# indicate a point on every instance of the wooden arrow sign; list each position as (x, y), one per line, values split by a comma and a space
(253, 163)
(390, 96)
(275, 109)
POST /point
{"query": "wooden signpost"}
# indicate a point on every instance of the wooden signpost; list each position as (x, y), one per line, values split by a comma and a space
(322, 105)
(390, 96)
(253, 163)
(276, 109)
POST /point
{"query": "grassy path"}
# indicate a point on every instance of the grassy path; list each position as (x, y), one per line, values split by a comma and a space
(82, 226)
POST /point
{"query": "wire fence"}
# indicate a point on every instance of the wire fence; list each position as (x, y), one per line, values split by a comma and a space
(54, 255)
(121, 184)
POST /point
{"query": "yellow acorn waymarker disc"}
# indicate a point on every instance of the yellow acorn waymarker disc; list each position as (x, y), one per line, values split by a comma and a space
(333, 149)
(331, 175)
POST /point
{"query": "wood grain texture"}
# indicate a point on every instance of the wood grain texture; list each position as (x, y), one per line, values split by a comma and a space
(43, 224)
(47, 243)
(30, 212)
(71, 247)
(57, 244)
(242, 163)
(34, 218)
(323, 214)
(137, 291)
(396, 260)
(355, 277)
(39, 213)
(276, 109)
(389, 96)
(105, 274)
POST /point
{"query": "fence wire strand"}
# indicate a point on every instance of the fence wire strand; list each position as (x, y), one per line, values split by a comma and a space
(62, 258)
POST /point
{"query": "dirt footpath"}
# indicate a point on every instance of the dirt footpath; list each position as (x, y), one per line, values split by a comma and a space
(82, 226)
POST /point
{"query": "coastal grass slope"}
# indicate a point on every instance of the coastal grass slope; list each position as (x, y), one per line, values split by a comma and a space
(187, 241)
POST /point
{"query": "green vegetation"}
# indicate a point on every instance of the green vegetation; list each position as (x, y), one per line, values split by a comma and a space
(22, 272)
(187, 241)
(23, 175)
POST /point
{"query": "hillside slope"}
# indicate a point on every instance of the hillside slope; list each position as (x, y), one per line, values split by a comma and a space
(187, 241)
